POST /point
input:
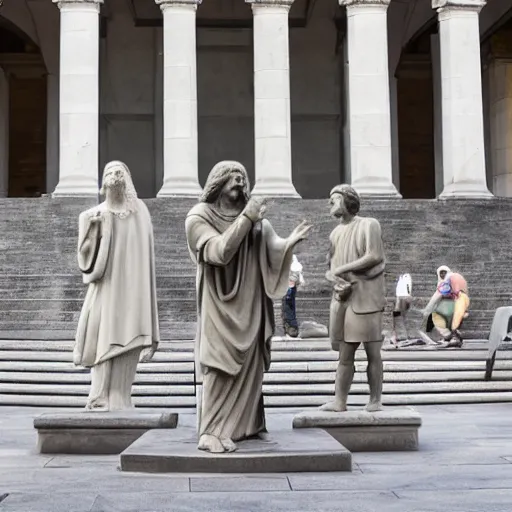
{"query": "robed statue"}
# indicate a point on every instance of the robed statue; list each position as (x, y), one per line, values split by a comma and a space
(119, 319)
(241, 266)
(356, 271)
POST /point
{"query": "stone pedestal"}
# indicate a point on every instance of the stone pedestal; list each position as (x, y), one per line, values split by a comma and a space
(285, 451)
(96, 433)
(361, 431)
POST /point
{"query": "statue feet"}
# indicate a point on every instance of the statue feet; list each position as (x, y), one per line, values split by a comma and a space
(229, 445)
(374, 406)
(334, 406)
(212, 444)
(97, 405)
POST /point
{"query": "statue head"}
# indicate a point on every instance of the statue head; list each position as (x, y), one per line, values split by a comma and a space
(117, 177)
(344, 201)
(118, 186)
(229, 179)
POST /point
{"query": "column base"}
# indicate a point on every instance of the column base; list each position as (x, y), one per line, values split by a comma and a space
(76, 188)
(279, 189)
(376, 187)
(466, 190)
(180, 189)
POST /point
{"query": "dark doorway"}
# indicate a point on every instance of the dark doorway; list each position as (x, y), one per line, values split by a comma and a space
(23, 64)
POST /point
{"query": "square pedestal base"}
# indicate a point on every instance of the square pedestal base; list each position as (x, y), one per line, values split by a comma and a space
(96, 433)
(175, 451)
(361, 431)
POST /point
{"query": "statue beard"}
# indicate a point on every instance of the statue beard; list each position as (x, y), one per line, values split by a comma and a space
(114, 182)
(236, 196)
(115, 188)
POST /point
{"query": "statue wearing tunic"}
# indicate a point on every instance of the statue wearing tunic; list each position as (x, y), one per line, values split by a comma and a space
(241, 266)
(357, 264)
(119, 317)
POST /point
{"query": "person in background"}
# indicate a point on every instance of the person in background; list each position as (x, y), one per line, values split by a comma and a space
(441, 272)
(449, 305)
(402, 304)
(288, 308)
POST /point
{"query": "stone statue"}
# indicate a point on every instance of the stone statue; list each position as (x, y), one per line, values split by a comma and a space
(242, 265)
(357, 264)
(119, 318)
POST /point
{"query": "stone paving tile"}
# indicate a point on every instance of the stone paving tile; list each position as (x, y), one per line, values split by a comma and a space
(90, 479)
(48, 502)
(22, 460)
(72, 461)
(237, 502)
(487, 500)
(240, 484)
(450, 456)
(410, 477)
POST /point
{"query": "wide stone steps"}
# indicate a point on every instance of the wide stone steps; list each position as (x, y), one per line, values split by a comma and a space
(38, 260)
(69, 310)
(40, 373)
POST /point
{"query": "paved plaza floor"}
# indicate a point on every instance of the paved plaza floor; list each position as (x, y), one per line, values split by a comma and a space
(464, 465)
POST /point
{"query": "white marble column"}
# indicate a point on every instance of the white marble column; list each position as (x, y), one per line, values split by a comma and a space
(369, 97)
(180, 99)
(500, 120)
(462, 111)
(79, 98)
(272, 124)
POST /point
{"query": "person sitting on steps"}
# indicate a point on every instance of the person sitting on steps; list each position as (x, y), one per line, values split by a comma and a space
(449, 305)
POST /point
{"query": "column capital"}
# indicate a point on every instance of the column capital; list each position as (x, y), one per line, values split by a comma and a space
(363, 3)
(279, 4)
(77, 3)
(459, 5)
(168, 4)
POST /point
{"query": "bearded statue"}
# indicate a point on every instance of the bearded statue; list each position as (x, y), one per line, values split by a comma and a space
(119, 319)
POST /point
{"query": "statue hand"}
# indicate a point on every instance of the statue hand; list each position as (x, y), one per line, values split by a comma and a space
(96, 219)
(299, 233)
(256, 208)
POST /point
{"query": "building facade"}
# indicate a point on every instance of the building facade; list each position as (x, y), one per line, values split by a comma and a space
(407, 98)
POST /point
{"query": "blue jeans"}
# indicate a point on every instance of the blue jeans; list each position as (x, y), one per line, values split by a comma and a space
(288, 309)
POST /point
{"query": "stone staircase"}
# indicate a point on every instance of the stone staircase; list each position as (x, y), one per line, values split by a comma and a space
(40, 373)
(41, 291)
(41, 295)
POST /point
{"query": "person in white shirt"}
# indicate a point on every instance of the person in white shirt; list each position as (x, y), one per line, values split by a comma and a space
(402, 304)
(288, 309)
